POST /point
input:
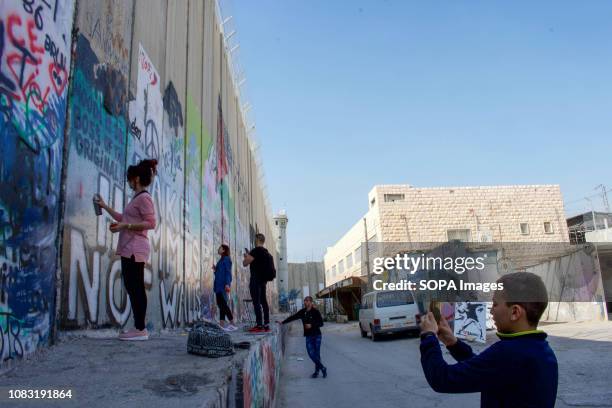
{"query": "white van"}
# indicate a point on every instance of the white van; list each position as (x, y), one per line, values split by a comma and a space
(385, 312)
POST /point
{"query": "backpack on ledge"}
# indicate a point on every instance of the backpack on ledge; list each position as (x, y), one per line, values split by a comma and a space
(208, 339)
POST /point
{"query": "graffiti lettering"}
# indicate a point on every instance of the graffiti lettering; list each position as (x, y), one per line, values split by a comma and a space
(32, 120)
(10, 343)
(134, 130)
(58, 57)
(96, 136)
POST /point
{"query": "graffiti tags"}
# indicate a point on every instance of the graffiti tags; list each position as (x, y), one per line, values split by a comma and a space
(34, 61)
(261, 372)
(146, 111)
(10, 330)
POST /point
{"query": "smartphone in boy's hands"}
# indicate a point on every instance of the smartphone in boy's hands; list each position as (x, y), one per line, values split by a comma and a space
(434, 307)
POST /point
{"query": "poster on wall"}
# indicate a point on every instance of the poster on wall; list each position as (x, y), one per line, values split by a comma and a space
(470, 321)
(146, 112)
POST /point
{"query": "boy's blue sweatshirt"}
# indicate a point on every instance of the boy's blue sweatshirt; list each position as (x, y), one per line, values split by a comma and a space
(518, 371)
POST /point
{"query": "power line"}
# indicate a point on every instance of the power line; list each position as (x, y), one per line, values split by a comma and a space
(603, 194)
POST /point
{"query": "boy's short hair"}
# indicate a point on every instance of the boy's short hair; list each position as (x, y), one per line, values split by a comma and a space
(260, 238)
(526, 290)
(308, 298)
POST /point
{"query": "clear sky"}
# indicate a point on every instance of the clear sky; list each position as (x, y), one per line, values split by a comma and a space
(349, 94)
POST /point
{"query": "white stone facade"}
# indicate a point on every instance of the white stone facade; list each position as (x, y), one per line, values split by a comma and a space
(401, 213)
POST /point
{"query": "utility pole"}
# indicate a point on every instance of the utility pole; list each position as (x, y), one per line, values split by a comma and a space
(592, 213)
(367, 251)
(604, 196)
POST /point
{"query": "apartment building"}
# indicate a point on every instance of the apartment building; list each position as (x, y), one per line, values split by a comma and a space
(403, 213)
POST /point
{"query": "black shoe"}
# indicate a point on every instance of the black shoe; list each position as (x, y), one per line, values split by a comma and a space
(324, 371)
(315, 374)
(266, 328)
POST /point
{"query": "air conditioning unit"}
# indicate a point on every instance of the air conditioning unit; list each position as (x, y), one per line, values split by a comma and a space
(485, 236)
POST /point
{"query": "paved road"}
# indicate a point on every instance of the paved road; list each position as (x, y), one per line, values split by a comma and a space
(388, 373)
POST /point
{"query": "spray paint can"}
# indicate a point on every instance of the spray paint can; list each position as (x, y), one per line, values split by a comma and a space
(97, 208)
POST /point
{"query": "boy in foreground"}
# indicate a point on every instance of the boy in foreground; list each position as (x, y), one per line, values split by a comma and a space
(518, 371)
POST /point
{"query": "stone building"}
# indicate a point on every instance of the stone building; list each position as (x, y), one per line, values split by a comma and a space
(403, 213)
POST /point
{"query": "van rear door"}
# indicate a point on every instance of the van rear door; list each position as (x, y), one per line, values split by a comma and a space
(396, 310)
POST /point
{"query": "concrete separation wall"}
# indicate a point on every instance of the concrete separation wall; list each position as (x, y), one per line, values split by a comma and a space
(87, 88)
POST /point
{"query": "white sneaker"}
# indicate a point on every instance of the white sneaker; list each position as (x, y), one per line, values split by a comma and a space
(231, 327)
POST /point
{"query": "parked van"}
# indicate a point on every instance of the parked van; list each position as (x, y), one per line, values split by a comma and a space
(385, 312)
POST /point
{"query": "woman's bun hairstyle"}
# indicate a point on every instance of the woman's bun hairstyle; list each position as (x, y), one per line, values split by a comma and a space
(144, 170)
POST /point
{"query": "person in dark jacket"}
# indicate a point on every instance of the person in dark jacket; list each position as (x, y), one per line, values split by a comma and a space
(518, 371)
(222, 285)
(256, 260)
(312, 321)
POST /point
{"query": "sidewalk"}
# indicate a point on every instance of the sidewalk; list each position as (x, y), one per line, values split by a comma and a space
(584, 353)
(102, 371)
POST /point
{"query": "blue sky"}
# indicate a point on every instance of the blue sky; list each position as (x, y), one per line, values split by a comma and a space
(349, 94)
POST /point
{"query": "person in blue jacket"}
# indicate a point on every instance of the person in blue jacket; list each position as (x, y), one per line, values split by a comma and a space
(518, 371)
(222, 285)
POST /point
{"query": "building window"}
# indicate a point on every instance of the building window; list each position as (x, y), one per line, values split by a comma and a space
(548, 228)
(373, 202)
(349, 261)
(357, 256)
(391, 198)
(463, 235)
(524, 228)
(341, 267)
(334, 270)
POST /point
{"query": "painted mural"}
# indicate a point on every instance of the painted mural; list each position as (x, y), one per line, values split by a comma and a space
(69, 129)
(195, 267)
(261, 372)
(92, 293)
(35, 39)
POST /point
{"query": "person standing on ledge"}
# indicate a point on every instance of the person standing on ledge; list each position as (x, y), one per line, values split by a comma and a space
(312, 321)
(261, 264)
(133, 224)
(222, 285)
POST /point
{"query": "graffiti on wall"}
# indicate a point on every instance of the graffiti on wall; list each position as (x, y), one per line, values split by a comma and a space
(92, 294)
(168, 194)
(261, 372)
(156, 132)
(198, 196)
(195, 266)
(34, 65)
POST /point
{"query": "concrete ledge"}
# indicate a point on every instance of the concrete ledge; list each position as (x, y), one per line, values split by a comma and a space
(102, 371)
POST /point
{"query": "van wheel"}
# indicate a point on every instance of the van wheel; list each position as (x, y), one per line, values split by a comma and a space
(363, 332)
(374, 335)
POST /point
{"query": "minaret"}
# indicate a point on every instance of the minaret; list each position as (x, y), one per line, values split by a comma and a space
(282, 269)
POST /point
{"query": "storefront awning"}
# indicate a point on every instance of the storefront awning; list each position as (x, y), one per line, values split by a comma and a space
(348, 284)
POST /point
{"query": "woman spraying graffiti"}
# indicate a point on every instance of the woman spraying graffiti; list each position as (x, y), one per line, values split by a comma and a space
(132, 225)
(221, 286)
